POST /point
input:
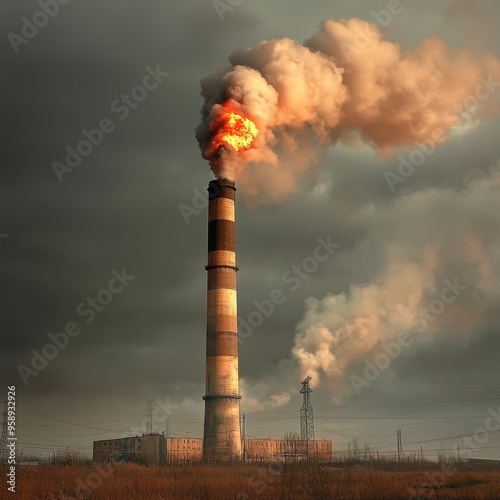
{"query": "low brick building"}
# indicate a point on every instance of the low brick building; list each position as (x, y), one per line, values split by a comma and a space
(158, 449)
(184, 449)
(146, 449)
(268, 450)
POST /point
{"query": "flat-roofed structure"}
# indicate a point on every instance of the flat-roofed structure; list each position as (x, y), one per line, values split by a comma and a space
(184, 449)
(286, 450)
(148, 449)
(156, 449)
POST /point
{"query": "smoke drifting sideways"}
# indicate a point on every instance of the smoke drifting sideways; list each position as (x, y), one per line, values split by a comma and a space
(347, 84)
(437, 292)
(440, 286)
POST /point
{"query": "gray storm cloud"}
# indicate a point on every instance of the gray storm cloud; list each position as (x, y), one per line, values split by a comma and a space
(346, 83)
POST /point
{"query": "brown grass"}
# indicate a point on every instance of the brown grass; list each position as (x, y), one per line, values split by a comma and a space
(248, 482)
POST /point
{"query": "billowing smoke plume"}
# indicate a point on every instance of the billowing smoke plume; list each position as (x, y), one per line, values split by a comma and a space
(344, 84)
(441, 284)
(443, 277)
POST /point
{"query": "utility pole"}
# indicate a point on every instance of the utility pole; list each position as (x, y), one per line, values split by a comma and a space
(167, 427)
(400, 445)
(149, 418)
(3, 440)
(306, 415)
(244, 435)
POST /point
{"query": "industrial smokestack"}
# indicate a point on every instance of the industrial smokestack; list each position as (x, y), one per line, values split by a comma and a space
(221, 437)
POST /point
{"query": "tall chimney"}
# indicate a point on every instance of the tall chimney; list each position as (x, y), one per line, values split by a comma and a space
(221, 437)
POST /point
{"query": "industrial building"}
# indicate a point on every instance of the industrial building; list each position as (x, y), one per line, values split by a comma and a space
(147, 449)
(156, 449)
(272, 450)
(183, 449)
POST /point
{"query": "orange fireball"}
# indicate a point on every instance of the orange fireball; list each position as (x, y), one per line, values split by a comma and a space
(233, 129)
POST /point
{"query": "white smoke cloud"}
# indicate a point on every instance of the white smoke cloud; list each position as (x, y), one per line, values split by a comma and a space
(461, 246)
(424, 254)
(345, 83)
(266, 399)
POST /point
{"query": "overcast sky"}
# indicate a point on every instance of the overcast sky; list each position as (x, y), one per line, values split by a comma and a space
(134, 206)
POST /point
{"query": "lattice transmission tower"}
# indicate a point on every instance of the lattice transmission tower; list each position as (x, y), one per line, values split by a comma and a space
(306, 415)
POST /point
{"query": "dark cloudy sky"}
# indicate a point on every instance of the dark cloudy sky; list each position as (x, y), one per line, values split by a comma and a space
(122, 207)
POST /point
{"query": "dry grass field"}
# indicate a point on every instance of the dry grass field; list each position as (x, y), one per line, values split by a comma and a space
(248, 482)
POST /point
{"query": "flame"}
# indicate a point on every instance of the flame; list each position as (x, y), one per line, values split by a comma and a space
(233, 128)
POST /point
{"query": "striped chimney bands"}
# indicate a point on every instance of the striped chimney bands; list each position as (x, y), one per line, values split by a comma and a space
(222, 438)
